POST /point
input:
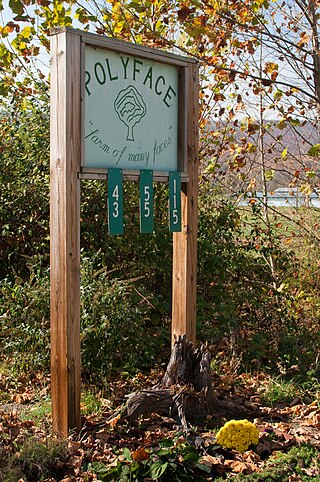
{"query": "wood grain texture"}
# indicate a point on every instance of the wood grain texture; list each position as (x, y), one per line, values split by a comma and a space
(65, 231)
(136, 50)
(184, 277)
(183, 121)
(128, 174)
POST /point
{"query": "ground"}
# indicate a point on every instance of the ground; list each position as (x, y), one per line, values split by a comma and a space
(155, 448)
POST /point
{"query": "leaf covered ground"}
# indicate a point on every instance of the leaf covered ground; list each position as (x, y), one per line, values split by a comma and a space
(155, 448)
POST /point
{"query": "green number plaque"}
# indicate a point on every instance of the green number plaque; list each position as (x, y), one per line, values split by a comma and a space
(115, 201)
(175, 201)
(146, 201)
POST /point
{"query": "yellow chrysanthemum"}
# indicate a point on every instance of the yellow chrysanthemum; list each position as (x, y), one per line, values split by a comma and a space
(238, 435)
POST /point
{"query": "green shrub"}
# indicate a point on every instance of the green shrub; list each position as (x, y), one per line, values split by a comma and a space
(25, 321)
(171, 461)
(242, 310)
(116, 321)
(182, 462)
(117, 328)
(24, 181)
(133, 254)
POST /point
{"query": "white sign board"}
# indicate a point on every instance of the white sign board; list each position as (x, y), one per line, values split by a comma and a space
(131, 112)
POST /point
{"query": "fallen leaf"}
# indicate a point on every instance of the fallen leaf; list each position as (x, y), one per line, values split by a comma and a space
(75, 461)
(238, 467)
(251, 456)
(210, 460)
(113, 422)
(103, 436)
(263, 448)
(139, 455)
(275, 446)
(21, 398)
(215, 464)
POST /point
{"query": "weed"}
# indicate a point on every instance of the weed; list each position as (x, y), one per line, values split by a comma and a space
(90, 403)
(278, 391)
(35, 461)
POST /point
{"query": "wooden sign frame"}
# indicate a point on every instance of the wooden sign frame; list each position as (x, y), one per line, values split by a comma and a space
(66, 172)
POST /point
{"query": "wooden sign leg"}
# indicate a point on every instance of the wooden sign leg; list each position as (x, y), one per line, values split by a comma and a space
(184, 280)
(65, 231)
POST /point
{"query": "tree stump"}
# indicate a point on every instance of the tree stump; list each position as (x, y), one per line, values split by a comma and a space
(185, 391)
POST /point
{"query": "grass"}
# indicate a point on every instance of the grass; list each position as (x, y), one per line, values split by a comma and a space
(90, 403)
(279, 391)
(37, 412)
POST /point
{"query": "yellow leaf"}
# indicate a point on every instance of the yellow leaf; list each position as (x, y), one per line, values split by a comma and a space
(26, 32)
(306, 189)
(119, 27)
(6, 30)
(270, 67)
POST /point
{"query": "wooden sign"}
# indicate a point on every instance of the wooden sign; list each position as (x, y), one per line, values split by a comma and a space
(117, 111)
(131, 112)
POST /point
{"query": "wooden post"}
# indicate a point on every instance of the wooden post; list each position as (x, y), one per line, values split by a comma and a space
(184, 283)
(65, 145)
